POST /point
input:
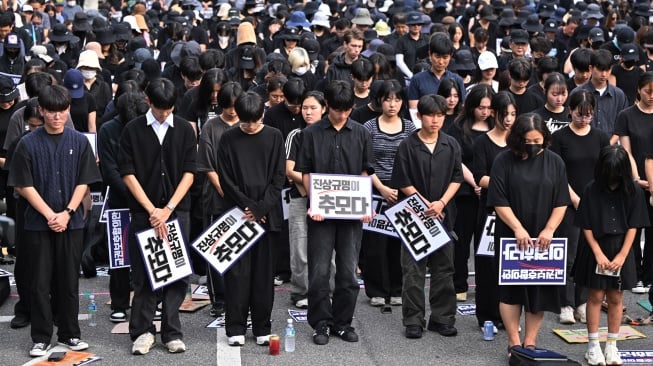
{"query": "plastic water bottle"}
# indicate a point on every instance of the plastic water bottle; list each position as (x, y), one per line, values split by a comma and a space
(92, 309)
(289, 342)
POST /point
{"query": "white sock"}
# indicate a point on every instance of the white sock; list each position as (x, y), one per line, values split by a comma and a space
(593, 340)
(612, 339)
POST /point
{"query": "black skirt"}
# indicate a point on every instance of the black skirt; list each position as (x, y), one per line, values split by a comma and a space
(585, 267)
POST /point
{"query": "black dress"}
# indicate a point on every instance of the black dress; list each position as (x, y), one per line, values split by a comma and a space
(532, 188)
(609, 214)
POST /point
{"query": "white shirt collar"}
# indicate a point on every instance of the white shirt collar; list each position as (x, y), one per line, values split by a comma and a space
(151, 119)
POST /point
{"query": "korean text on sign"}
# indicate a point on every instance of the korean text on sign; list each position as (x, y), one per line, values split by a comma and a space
(341, 196)
(166, 260)
(117, 229)
(421, 234)
(380, 223)
(486, 244)
(531, 266)
(227, 239)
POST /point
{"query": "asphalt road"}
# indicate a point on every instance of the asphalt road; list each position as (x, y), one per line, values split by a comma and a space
(381, 339)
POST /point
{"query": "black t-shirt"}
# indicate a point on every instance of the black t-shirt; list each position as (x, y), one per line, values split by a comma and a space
(485, 151)
(627, 80)
(79, 110)
(638, 126)
(363, 114)
(580, 154)
(526, 102)
(554, 121)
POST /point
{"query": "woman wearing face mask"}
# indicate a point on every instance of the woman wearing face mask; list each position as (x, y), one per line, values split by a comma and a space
(300, 63)
(579, 146)
(528, 190)
(89, 65)
(626, 73)
(221, 38)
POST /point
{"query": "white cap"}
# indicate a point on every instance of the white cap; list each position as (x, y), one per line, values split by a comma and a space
(487, 60)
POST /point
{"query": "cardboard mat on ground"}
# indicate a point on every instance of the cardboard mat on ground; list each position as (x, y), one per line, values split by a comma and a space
(123, 328)
(626, 332)
(73, 358)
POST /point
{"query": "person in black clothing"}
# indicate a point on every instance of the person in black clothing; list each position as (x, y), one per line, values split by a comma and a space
(251, 166)
(626, 73)
(340, 68)
(520, 73)
(200, 103)
(287, 116)
(554, 111)
(130, 105)
(334, 145)
(54, 218)
(406, 48)
(157, 162)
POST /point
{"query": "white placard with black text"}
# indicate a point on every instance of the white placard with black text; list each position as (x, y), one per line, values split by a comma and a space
(336, 196)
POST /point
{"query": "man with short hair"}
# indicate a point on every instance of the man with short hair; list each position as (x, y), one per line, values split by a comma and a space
(51, 169)
(427, 82)
(157, 162)
(407, 46)
(519, 41)
(341, 68)
(334, 145)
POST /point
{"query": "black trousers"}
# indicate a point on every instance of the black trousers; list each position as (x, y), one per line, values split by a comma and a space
(54, 259)
(119, 288)
(467, 211)
(486, 278)
(382, 271)
(644, 259)
(22, 272)
(145, 299)
(249, 285)
(324, 237)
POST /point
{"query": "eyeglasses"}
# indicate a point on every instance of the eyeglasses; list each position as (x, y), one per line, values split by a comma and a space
(53, 113)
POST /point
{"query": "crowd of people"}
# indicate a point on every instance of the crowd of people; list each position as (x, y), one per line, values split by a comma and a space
(537, 112)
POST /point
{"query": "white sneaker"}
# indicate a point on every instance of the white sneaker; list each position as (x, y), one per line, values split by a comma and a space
(176, 346)
(612, 355)
(639, 288)
(39, 349)
(302, 304)
(377, 301)
(396, 301)
(567, 315)
(581, 313)
(594, 356)
(143, 343)
(263, 340)
(236, 340)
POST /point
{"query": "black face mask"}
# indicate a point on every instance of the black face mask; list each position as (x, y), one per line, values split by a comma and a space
(596, 45)
(532, 149)
(11, 53)
(630, 63)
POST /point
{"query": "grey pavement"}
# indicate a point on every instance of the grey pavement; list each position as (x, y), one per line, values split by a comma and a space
(381, 339)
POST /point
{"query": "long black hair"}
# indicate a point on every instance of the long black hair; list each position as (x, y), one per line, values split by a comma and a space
(210, 78)
(613, 167)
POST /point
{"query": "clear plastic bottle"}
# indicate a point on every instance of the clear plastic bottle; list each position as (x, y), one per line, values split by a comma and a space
(289, 342)
(92, 309)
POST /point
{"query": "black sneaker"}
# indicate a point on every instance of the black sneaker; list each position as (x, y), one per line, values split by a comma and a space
(446, 330)
(217, 309)
(19, 321)
(347, 334)
(413, 331)
(118, 316)
(75, 344)
(321, 334)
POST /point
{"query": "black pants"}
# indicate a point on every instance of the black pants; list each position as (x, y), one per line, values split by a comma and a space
(324, 237)
(467, 207)
(22, 272)
(54, 260)
(249, 285)
(644, 259)
(145, 299)
(119, 288)
(382, 270)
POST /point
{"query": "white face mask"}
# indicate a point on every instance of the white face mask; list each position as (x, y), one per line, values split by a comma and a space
(223, 39)
(72, 3)
(61, 49)
(301, 70)
(88, 74)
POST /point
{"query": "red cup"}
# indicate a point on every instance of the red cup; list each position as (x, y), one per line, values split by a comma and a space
(275, 344)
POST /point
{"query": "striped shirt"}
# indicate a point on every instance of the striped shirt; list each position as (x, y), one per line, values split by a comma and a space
(385, 145)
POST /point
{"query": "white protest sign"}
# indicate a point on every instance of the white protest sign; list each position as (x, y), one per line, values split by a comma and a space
(166, 261)
(285, 202)
(4, 273)
(341, 196)
(117, 234)
(92, 139)
(380, 223)
(105, 207)
(227, 239)
(486, 244)
(421, 234)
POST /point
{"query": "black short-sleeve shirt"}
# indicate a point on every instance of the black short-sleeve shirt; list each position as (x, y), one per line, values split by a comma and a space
(638, 126)
(327, 150)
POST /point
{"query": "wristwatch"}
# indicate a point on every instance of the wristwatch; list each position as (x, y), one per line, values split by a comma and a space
(70, 211)
(170, 206)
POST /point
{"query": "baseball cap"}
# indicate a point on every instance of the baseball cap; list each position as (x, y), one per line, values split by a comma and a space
(74, 82)
(629, 52)
(487, 60)
(596, 35)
